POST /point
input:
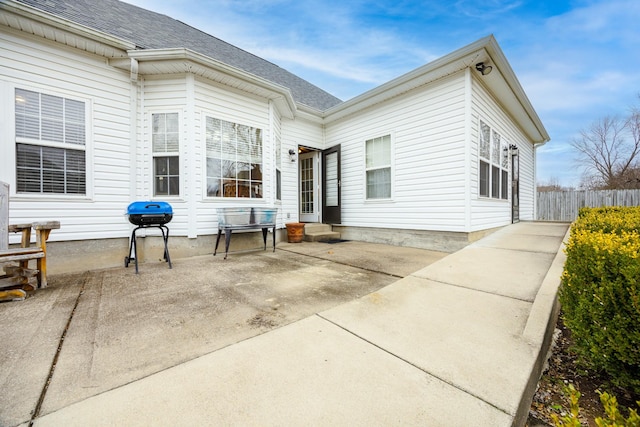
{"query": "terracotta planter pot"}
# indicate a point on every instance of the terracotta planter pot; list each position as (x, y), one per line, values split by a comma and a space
(295, 232)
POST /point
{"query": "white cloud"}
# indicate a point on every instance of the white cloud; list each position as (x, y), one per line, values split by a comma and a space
(485, 9)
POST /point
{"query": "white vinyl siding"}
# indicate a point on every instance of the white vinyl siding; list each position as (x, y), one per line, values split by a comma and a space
(160, 95)
(278, 157)
(428, 152)
(433, 170)
(214, 101)
(52, 69)
(297, 132)
(488, 212)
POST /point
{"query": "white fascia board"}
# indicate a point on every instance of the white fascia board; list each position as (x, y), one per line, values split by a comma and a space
(309, 113)
(199, 64)
(509, 78)
(446, 65)
(36, 16)
(502, 81)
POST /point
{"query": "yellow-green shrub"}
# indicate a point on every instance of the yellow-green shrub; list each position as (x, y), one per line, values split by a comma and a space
(614, 418)
(600, 292)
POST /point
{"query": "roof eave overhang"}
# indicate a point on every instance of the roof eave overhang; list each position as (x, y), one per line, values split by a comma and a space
(502, 82)
(36, 22)
(179, 60)
(121, 52)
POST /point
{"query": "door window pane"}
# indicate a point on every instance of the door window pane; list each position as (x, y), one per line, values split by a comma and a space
(331, 179)
(306, 184)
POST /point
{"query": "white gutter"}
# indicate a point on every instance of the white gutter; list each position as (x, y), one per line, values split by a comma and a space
(278, 92)
(514, 85)
(39, 16)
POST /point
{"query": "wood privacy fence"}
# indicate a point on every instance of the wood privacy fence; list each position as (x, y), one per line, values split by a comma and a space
(564, 205)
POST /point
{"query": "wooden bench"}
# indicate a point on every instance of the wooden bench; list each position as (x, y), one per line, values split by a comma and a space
(18, 276)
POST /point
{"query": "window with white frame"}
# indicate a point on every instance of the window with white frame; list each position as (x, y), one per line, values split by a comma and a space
(165, 142)
(378, 167)
(493, 168)
(234, 160)
(50, 136)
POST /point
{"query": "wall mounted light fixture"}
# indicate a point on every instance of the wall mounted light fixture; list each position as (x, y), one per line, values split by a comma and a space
(292, 155)
(483, 68)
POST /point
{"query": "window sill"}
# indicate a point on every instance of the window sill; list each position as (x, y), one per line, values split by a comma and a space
(493, 199)
(378, 201)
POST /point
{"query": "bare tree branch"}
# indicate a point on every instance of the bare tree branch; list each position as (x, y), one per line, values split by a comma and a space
(609, 152)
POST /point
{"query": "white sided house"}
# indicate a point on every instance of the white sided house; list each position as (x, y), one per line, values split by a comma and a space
(104, 103)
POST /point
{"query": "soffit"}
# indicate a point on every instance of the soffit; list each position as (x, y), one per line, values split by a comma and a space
(502, 83)
(179, 61)
(31, 21)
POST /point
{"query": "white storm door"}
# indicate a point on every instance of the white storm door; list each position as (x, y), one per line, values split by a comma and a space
(309, 187)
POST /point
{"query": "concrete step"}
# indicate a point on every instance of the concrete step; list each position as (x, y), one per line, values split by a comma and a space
(315, 232)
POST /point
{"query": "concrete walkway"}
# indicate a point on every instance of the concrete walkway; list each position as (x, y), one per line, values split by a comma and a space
(459, 342)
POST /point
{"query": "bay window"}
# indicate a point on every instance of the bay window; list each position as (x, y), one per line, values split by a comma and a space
(493, 167)
(234, 160)
(165, 142)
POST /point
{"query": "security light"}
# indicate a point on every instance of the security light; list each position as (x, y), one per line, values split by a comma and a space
(483, 69)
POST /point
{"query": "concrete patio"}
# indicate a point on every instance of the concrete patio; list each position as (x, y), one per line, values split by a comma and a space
(324, 334)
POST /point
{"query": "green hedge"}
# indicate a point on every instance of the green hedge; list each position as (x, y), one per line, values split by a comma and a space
(600, 292)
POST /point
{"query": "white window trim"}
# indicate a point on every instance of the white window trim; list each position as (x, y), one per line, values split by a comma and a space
(392, 139)
(277, 142)
(152, 155)
(88, 145)
(265, 145)
(503, 143)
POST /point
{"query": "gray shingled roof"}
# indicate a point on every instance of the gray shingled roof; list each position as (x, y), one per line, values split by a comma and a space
(150, 30)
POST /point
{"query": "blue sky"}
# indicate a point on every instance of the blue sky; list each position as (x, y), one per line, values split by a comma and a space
(578, 61)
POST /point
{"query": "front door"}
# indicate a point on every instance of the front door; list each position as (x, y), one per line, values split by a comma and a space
(331, 186)
(515, 187)
(309, 188)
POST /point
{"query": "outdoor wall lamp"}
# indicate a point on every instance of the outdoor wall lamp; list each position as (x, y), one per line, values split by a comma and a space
(483, 69)
(292, 155)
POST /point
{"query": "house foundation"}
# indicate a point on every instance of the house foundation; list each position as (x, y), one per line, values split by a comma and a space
(82, 255)
(445, 241)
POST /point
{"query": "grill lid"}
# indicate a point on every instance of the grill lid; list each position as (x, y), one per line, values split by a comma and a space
(149, 208)
(149, 213)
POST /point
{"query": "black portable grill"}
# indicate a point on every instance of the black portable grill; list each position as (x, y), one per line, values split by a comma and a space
(147, 215)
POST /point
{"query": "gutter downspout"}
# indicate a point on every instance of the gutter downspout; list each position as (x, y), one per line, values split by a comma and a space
(468, 101)
(133, 129)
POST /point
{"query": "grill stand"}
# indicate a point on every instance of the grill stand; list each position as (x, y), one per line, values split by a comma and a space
(133, 248)
(228, 229)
